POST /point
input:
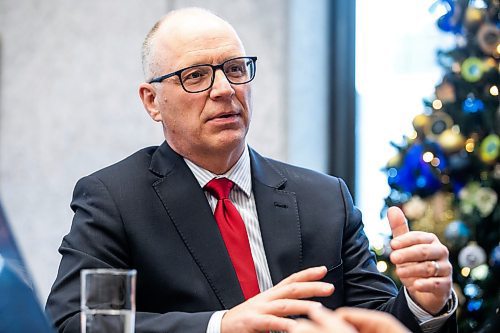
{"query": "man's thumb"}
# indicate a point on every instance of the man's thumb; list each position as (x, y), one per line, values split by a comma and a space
(397, 221)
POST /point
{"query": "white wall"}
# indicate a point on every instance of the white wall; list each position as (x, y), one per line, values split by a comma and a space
(391, 86)
(69, 74)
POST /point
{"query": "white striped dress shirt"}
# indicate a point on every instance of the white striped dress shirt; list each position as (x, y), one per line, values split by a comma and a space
(242, 197)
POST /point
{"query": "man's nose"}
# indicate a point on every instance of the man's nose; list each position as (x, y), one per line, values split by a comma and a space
(221, 86)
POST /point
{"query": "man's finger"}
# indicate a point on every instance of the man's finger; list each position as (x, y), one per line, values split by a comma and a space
(369, 320)
(304, 326)
(290, 307)
(436, 285)
(424, 269)
(419, 253)
(330, 320)
(309, 274)
(299, 290)
(397, 221)
(413, 238)
(267, 322)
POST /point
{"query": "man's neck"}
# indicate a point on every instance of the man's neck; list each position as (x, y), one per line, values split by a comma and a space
(217, 163)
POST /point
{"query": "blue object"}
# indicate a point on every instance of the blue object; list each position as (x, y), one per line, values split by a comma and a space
(474, 305)
(495, 257)
(416, 176)
(457, 234)
(472, 290)
(472, 105)
(448, 22)
(20, 310)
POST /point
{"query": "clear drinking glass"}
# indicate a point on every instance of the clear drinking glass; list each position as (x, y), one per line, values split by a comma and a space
(108, 300)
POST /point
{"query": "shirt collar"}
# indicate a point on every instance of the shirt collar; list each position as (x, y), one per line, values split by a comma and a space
(240, 173)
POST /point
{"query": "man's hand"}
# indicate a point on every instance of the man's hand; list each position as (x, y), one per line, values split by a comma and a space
(268, 310)
(348, 320)
(371, 321)
(322, 320)
(421, 263)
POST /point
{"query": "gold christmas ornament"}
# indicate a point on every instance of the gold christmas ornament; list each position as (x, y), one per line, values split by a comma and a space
(490, 63)
(437, 215)
(439, 122)
(442, 212)
(421, 122)
(473, 17)
(415, 208)
(470, 145)
(451, 141)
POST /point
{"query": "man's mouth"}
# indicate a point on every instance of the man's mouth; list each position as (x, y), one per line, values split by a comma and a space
(225, 115)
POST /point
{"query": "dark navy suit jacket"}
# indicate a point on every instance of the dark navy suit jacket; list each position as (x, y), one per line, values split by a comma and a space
(148, 212)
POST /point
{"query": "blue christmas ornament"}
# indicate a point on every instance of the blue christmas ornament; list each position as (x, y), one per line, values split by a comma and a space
(449, 22)
(472, 290)
(495, 257)
(472, 105)
(456, 234)
(417, 176)
(474, 305)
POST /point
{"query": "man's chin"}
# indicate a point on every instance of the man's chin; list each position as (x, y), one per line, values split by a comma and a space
(229, 144)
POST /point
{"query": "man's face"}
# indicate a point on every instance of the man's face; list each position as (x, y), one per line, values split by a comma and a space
(212, 122)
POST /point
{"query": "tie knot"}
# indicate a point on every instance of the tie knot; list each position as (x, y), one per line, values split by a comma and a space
(219, 187)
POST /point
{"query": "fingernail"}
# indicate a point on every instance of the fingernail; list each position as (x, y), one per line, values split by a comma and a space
(321, 269)
(329, 287)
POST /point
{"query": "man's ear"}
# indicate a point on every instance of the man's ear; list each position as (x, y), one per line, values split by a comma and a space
(147, 93)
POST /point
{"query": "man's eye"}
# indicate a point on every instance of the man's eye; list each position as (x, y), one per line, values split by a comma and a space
(194, 75)
(236, 69)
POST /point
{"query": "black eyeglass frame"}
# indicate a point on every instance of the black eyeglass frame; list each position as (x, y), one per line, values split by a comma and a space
(214, 68)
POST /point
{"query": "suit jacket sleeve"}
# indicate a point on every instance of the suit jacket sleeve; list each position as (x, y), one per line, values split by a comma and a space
(98, 239)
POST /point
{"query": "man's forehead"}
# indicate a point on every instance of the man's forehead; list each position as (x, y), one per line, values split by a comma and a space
(196, 30)
(207, 55)
(204, 43)
(194, 23)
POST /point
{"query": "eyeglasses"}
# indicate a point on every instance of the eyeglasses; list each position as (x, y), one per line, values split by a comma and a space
(199, 78)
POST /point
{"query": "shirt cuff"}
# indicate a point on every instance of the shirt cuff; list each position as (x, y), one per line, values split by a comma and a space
(429, 323)
(215, 322)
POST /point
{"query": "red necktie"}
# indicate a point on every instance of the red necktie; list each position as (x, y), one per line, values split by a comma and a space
(234, 234)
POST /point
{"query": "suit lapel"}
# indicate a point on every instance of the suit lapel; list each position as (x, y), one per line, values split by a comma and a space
(188, 209)
(278, 218)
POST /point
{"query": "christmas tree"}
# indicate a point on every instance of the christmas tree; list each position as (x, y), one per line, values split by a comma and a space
(446, 174)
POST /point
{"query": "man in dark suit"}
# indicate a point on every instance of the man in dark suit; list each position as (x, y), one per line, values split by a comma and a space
(154, 211)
